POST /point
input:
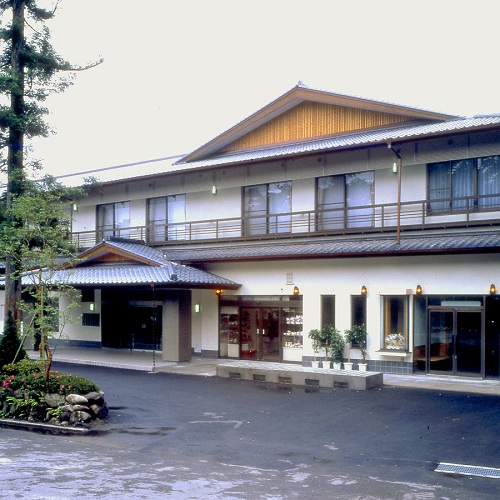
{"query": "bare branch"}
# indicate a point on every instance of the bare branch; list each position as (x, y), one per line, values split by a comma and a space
(88, 66)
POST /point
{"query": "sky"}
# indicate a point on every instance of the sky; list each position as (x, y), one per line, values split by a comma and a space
(177, 73)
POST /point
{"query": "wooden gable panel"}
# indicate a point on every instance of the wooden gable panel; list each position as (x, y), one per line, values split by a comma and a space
(310, 120)
(111, 257)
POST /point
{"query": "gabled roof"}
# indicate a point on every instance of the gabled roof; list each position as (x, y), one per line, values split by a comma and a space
(118, 261)
(352, 140)
(301, 94)
(119, 250)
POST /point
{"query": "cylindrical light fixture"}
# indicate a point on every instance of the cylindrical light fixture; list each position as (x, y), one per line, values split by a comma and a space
(419, 289)
(493, 289)
(363, 290)
(296, 290)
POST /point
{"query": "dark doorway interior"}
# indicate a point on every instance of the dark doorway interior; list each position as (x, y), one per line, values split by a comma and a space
(129, 325)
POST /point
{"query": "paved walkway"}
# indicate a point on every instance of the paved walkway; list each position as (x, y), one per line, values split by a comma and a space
(152, 362)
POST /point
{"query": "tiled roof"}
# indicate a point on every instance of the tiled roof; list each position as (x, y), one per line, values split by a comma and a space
(348, 140)
(175, 275)
(138, 249)
(372, 137)
(352, 247)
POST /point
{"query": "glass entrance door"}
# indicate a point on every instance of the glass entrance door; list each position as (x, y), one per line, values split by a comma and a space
(468, 343)
(455, 342)
(260, 333)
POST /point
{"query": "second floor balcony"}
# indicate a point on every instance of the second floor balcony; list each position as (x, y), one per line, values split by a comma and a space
(409, 215)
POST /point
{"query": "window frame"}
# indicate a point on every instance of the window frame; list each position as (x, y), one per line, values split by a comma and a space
(395, 334)
(345, 215)
(118, 231)
(359, 311)
(465, 203)
(164, 229)
(272, 222)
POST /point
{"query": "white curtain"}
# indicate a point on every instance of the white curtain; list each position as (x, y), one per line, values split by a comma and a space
(176, 212)
(462, 183)
(331, 202)
(488, 181)
(359, 190)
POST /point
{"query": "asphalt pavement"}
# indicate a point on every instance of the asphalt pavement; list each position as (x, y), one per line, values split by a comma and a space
(175, 436)
(205, 367)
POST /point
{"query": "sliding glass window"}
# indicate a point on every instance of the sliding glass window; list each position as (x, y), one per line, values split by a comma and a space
(467, 184)
(166, 218)
(345, 201)
(267, 208)
(113, 219)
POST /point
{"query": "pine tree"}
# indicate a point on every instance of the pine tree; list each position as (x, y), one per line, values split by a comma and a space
(10, 345)
(30, 71)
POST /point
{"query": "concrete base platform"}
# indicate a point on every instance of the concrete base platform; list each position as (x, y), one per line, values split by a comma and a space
(280, 373)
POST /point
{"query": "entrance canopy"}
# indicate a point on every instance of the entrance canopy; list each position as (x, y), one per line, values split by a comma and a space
(121, 262)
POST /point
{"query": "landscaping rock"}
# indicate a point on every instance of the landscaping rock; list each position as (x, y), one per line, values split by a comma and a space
(95, 397)
(80, 416)
(76, 399)
(54, 400)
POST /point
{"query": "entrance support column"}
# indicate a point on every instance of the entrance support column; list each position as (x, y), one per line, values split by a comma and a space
(176, 335)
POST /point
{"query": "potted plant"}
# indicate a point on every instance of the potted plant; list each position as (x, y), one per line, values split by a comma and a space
(335, 345)
(356, 338)
(317, 343)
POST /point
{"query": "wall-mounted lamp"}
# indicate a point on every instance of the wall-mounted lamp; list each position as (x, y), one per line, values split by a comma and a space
(296, 290)
(419, 290)
(218, 291)
(92, 306)
(363, 290)
(493, 289)
(197, 308)
(395, 168)
(214, 190)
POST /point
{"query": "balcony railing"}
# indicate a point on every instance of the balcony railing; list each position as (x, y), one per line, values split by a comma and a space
(445, 212)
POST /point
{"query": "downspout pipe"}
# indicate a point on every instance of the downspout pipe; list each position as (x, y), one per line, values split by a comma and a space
(398, 220)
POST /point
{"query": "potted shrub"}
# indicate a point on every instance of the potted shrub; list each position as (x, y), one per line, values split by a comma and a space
(335, 345)
(317, 343)
(356, 338)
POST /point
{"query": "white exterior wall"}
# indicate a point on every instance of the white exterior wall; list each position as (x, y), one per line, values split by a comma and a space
(73, 329)
(438, 275)
(202, 205)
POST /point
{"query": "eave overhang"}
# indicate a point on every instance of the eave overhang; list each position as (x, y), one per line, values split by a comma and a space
(471, 243)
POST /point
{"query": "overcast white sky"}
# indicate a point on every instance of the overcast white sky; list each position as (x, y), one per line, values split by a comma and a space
(177, 73)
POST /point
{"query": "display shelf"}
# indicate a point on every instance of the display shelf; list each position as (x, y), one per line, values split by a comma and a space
(292, 335)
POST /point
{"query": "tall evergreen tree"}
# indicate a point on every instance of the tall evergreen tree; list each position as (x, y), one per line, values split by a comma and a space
(30, 70)
(11, 350)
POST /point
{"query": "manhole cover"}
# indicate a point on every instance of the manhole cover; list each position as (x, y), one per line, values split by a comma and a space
(468, 470)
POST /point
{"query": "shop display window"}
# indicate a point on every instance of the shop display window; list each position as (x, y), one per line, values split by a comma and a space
(395, 321)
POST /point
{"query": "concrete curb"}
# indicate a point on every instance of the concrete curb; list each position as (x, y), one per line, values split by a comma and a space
(41, 426)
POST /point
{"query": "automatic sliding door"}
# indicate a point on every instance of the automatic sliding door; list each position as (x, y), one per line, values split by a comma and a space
(455, 342)
(468, 343)
(441, 341)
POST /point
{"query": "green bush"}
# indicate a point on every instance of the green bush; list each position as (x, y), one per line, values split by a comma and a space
(27, 375)
(10, 345)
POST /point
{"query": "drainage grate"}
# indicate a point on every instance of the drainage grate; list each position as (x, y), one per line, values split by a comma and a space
(468, 470)
(259, 378)
(235, 375)
(285, 380)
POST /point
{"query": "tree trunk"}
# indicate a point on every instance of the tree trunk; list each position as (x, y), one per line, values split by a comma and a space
(15, 160)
